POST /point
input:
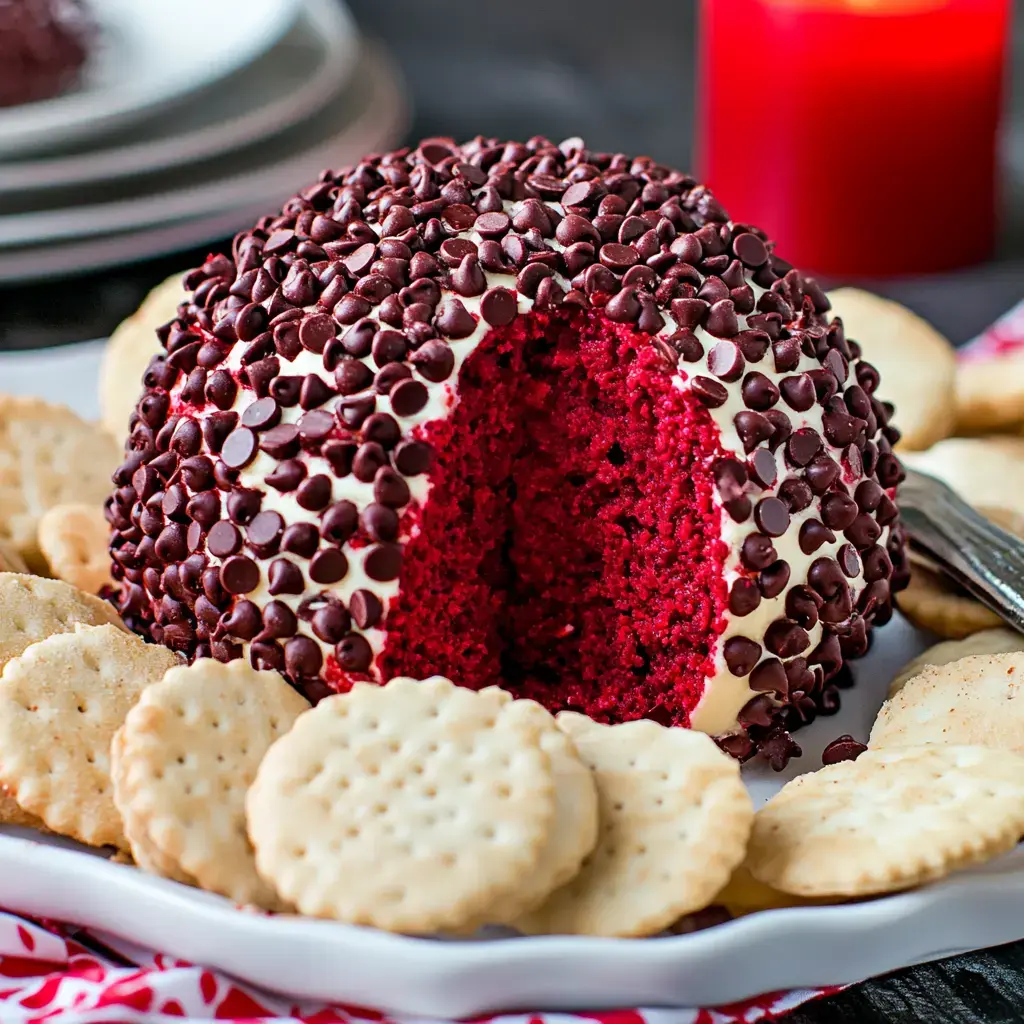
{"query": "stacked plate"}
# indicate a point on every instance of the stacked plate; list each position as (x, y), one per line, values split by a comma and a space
(192, 119)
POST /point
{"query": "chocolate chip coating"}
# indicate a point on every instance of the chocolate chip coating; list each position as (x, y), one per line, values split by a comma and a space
(310, 370)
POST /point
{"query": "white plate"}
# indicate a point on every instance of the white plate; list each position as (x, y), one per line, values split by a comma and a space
(779, 949)
(149, 226)
(284, 87)
(150, 54)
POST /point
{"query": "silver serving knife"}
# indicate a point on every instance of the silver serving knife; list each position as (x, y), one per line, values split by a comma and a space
(983, 558)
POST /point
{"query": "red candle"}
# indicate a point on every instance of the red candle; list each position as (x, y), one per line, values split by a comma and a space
(860, 134)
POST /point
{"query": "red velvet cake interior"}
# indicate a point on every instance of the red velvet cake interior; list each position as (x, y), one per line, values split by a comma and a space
(570, 549)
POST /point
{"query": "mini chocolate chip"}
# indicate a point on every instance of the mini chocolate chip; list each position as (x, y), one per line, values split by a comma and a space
(408, 397)
(759, 393)
(314, 392)
(741, 655)
(868, 495)
(352, 376)
(492, 225)
(623, 308)
(813, 534)
(468, 279)
(315, 427)
(243, 620)
(223, 540)
(187, 438)
(243, 505)
(379, 522)
(261, 373)
(722, 321)
(757, 552)
(339, 522)
(366, 608)
(822, 473)
(825, 384)
(836, 362)
(329, 565)
(434, 360)
(388, 377)
(826, 577)
(279, 621)
(618, 257)
(848, 560)
(239, 448)
(843, 748)
(358, 339)
(239, 575)
(769, 677)
(221, 389)
(771, 516)
(286, 341)
(301, 539)
(354, 411)
(384, 562)
(286, 476)
(750, 249)
(204, 508)
(315, 493)
(367, 460)
(786, 639)
(863, 532)
(285, 578)
(802, 446)
(383, 429)
(752, 428)
(389, 347)
(340, 454)
(753, 345)
(354, 653)
(286, 390)
(498, 307)
(774, 580)
(739, 509)
(453, 320)
(315, 331)
(744, 597)
(331, 623)
(264, 533)
(730, 478)
(413, 457)
(197, 473)
(709, 391)
(757, 711)
(763, 467)
(802, 604)
(838, 510)
(877, 564)
(302, 657)
(725, 361)
(280, 442)
(172, 543)
(798, 392)
(267, 656)
(389, 488)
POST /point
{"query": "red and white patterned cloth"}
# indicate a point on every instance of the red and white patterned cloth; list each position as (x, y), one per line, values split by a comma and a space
(1004, 337)
(50, 971)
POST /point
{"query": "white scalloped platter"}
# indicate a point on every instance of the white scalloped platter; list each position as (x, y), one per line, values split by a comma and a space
(778, 949)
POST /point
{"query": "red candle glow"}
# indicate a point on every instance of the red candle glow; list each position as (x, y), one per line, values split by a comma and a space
(860, 134)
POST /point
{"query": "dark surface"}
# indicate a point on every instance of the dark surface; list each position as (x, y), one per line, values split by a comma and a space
(621, 75)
